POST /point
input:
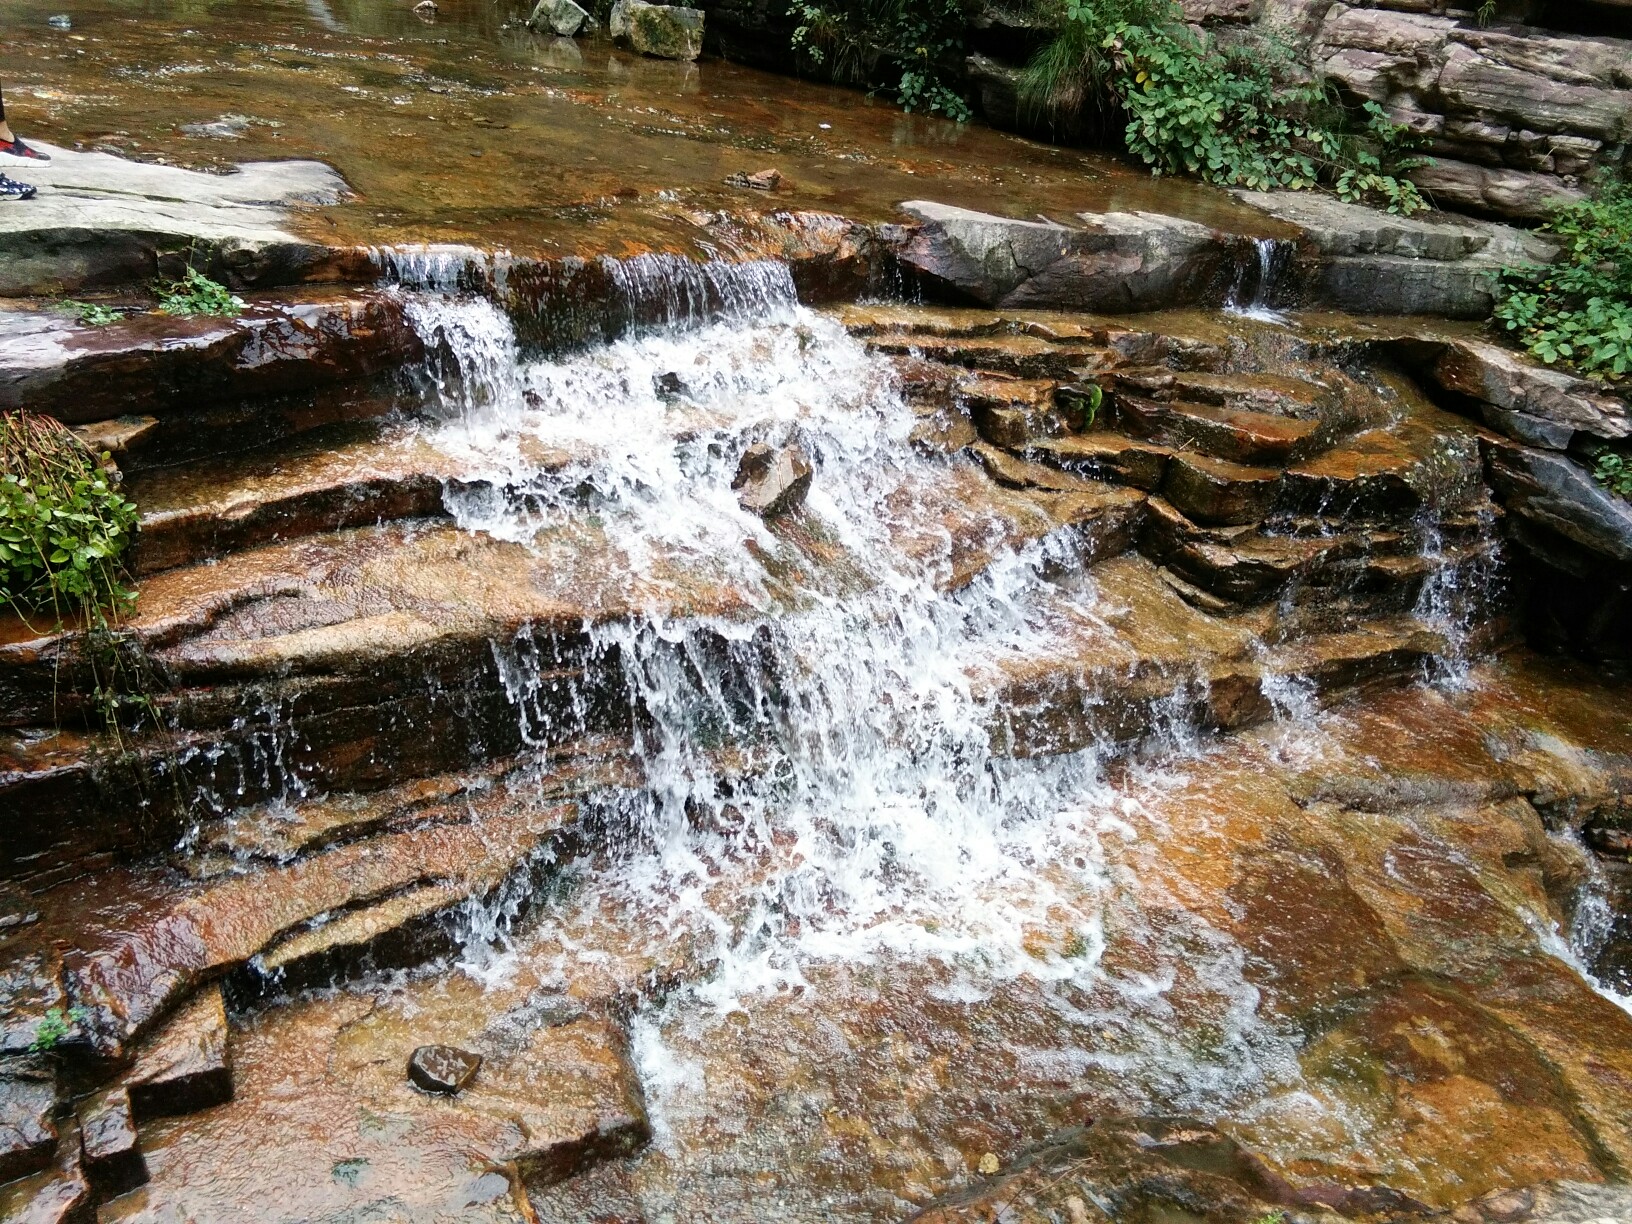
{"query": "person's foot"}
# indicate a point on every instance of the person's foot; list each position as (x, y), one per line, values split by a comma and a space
(11, 189)
(16, 153)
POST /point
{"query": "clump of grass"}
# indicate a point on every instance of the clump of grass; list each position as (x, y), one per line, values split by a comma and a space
(1613, 470)
(196, 295)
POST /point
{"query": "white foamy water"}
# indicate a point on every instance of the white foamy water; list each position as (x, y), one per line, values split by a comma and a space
(870, 812)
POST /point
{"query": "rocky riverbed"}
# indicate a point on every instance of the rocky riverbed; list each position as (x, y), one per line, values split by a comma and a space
(920, 710)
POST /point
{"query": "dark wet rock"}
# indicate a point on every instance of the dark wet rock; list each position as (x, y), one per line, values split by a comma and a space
(772, 480)
(28, 1104)
(31, 988)
(328, 479)
(102, 220)
(112, 1154)
(444, 1069)
(564, 17)
(1218, 491)
(186, 1065)
(1113, 261)
(227, 922)
(169, 365)
(60, 1194)
(1106, 456)
(665, 31)
(1555, 493)
(1225, 433)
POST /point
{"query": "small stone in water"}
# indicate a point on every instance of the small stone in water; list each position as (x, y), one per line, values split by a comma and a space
(771, 482)
(668, 384)
(60, 22)
(989, 1164)
(764, 180)
(444, 1069)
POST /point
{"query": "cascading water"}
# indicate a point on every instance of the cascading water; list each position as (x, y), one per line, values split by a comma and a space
(820, 780)
(1258, 282)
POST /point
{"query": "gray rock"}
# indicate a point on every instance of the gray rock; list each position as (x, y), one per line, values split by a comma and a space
(1114, 261)
(563, 17)
(1498, 190)
(617, 23)
(443, 1069)
(107, 1133)
(1371, 262)
(1552, 491)
(28, 1102)
(101, 220)
(665, 31)
(770, 482)
(1530, 397)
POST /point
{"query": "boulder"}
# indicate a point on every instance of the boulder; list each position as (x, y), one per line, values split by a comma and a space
(562, 17)
(107, 1135)
(770, 482)
(443, 1068)
(664, 31)
(1112, 261)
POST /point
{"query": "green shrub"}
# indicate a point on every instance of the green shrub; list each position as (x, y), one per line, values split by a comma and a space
(1614, 471)
(63, 524)
(90, 313)
(904, 44)
(1236, 115)
(196, 294)
(1578, 311)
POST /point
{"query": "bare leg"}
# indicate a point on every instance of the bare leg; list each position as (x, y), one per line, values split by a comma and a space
(6, 134)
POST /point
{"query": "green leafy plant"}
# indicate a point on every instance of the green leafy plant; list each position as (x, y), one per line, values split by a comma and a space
(196, 294)
(90, 313)
(54, 1027)
(905, 46)
(1578, 311)
(1241, 115)
(63, 523)
(1613, 470)
(1487, 12)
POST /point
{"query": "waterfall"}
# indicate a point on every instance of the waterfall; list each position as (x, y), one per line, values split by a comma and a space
(874, 810)
(1257, 283)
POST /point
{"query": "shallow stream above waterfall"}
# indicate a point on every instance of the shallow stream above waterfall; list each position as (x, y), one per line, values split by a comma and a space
(460, 129)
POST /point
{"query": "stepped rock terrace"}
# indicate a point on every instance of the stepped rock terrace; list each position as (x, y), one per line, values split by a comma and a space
(1158, 755)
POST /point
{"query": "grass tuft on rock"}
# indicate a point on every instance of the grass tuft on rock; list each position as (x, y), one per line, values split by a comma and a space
(64, 526)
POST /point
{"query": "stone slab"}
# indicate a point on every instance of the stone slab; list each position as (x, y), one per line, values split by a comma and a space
(100, 220)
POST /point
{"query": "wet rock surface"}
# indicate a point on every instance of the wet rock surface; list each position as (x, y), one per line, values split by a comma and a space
(1108, 790)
